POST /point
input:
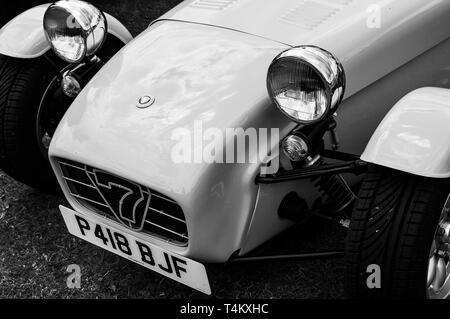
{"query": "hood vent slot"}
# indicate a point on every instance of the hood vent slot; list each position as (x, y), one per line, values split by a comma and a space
(212, 4)
(311, 14)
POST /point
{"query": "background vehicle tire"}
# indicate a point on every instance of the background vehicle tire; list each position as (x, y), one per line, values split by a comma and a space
(393, 225)
(22, 85)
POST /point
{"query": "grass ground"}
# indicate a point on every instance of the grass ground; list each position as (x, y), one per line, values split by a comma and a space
(35, 248)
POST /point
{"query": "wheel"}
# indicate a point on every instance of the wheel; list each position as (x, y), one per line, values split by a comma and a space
(31, 106)
(399, 231)
(22, 86)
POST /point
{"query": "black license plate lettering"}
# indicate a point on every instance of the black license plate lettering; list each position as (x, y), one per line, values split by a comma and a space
(83, 224)
(145, 253)
(122, 244)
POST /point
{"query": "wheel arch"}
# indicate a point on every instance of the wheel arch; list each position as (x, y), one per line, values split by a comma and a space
(414, 136)
(23, 36)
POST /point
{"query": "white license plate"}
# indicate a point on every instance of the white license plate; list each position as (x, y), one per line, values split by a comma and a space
(181, 269)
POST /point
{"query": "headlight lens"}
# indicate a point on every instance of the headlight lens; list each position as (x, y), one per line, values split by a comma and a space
(75, 29)
(306, 83)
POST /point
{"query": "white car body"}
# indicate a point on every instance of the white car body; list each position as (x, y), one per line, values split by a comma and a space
(198, 71)
(208, 60)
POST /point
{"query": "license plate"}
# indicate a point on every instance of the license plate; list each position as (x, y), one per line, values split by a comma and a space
(176, 267)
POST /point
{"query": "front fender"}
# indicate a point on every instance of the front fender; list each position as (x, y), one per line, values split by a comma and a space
(24, 37)
(414, 136)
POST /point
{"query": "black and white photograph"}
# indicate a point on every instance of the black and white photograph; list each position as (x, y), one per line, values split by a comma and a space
(225, 154)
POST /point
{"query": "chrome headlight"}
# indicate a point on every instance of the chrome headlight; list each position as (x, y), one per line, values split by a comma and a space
(306, 83)
(75, 29)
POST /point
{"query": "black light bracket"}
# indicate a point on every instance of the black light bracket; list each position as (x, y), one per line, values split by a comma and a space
(347, 163)
(326, 254)
(344, 163)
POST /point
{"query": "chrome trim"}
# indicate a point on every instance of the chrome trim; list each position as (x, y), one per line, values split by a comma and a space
(166, 229)
(170, 216)
(91, 21)
(78, 182)
(438, 273)
(165, 198)
(145, 102)
(302, 149)
(153, 210)
(89, 200)
(327, 66)
(71, 165)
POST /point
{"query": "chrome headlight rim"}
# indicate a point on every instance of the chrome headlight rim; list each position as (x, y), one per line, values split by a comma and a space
(326, 66)
(84, 14)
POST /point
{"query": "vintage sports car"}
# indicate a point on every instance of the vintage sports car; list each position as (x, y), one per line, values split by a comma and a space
(341, 109)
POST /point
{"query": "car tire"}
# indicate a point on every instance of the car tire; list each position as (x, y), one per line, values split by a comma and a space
(22, 86)
(392, 230)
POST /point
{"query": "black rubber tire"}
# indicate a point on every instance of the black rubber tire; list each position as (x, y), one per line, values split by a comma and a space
(393, 226)
(22, 85)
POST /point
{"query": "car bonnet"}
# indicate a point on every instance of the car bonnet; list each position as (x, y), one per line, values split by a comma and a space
(371, 37)
(171, 78)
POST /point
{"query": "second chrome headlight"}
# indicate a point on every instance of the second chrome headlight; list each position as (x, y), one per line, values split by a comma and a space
(306, 83)
(75, 29)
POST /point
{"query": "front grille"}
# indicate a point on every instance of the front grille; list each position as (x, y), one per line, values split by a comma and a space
(164, 217)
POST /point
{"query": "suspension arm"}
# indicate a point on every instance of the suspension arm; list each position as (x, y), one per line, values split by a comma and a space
(356, 167)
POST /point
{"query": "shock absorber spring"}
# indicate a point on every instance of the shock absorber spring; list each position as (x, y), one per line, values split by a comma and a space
(336, 190)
